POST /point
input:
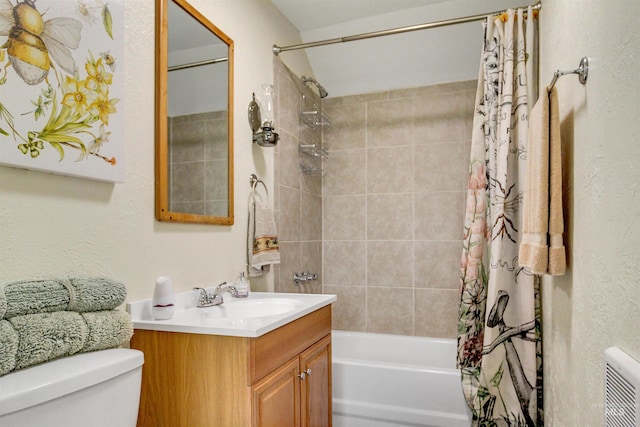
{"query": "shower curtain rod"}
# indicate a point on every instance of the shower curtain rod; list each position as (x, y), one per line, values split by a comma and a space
(277, 49)
(197, 64)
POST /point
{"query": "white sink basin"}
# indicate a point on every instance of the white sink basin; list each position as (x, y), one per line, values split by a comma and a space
(256, 315)
(236, 308)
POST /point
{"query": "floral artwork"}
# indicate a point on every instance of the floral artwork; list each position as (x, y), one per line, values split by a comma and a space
(61, 87)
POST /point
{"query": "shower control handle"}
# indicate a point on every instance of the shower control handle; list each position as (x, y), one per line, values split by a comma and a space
(304, 277)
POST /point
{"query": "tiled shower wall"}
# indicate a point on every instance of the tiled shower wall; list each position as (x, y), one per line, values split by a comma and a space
(393, 197)
(298, 196)
(198, 163)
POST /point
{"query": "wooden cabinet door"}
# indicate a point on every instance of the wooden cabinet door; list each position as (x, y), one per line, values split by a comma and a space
(315, 401)
(276, 398)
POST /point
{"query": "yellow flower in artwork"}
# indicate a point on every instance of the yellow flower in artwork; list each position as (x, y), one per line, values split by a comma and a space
(98, 79)
(102, 106)
(76, 95)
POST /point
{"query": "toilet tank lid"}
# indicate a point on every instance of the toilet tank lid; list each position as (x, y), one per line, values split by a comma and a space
(41, 383)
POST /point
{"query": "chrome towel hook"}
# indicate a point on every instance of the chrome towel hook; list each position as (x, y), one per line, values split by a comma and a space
(582, 71)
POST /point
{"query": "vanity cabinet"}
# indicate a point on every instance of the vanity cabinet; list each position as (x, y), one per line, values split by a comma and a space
(298, 393)
(280, 379)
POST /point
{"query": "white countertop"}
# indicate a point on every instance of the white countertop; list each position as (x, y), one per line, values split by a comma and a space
(239, 317)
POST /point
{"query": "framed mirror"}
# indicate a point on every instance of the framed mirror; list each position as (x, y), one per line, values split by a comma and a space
(194, 117)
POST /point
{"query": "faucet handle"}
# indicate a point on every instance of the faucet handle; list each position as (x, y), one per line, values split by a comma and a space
(224, 287)
(203, 296)
(207, 300)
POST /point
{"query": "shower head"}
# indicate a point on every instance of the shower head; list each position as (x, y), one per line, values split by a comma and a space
(323, 92)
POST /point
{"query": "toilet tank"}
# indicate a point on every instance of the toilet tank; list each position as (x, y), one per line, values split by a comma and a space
(97, 389)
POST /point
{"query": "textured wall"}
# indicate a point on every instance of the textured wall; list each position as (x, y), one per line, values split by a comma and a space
(55, 226)
(595, 305)
(393, 204)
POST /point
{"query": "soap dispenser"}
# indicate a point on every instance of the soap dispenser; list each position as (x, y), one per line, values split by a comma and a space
(242, 285)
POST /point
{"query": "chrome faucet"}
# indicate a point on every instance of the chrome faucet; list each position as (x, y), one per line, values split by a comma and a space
(206, 299)
(224, 287)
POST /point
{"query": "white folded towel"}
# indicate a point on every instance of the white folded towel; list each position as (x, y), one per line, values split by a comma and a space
(262, 242)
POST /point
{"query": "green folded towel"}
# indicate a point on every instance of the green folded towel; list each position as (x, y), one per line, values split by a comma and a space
(48, 336)
(107, 329)
(8, 347)
(51, 295)
(36, 338)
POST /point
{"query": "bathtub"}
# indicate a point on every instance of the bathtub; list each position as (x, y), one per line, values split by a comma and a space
(382, 380)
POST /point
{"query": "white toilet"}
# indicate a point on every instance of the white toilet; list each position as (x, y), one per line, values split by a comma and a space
(97, 389)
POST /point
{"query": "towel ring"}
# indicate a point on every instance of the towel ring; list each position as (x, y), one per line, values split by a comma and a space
(254, 181)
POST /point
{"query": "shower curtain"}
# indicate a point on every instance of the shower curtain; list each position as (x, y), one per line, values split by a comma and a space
(499, 342)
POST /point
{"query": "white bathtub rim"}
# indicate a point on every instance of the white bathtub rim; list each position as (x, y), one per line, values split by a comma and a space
(410, 416)
(396, 366)
(351, 345)
(436, 340)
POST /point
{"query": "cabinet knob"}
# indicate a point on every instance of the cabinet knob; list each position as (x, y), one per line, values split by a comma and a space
(302, 375)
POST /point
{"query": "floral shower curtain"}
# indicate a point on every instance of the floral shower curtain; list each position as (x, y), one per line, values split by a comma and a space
(499, 342)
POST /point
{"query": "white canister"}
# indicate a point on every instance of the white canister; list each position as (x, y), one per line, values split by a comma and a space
(163, 303)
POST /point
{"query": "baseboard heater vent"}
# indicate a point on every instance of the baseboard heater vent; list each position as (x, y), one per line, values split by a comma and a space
(622, 389)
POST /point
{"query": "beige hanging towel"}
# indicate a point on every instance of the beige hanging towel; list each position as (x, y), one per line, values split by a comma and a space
(542, 249)
(263, 249)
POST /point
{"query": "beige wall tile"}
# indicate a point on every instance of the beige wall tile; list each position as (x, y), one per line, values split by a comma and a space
(311, 183)
(445, 88)
(311, 253)
(466, 159)
(311, 262)
(390, 170)
(389, 310)
(389, 123)
(356, 99)
(290, 262)
(288, 98)
(390, 217)
(346, 173)
(436, 313)
(437, 264)
(390, 263)
(437, 167)
(438, 216)
(440, 118)
(345, 217)
(345, 263)
(289, 163)
(347, 130)
(349, 312)
(289, 214)
(274, 193)
(311, 219)
(469, 105)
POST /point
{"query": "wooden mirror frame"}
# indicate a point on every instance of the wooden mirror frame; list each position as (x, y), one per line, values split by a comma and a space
(161, 110)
